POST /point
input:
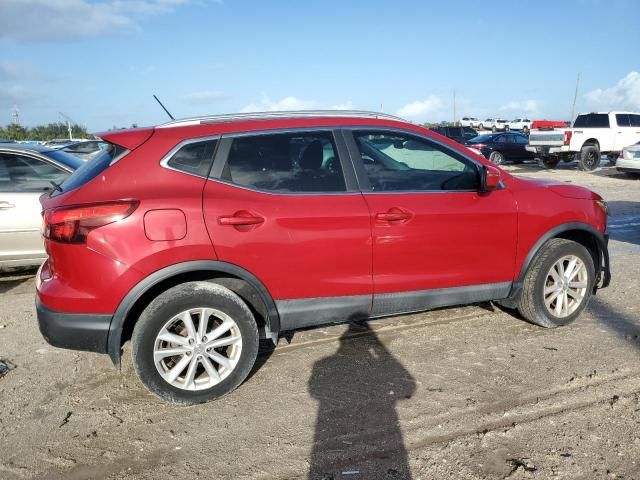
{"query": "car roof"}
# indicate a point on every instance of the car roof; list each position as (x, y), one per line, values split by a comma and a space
(34, 147)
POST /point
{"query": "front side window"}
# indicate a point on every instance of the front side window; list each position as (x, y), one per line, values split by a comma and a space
(19, 173)
(403, 162)
(622, 119)
(286, 163)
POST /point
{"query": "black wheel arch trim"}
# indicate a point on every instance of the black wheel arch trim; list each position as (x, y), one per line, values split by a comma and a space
(603, 271)
(119, 317)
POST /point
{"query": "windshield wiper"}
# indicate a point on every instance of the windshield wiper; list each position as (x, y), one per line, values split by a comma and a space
(56, 186)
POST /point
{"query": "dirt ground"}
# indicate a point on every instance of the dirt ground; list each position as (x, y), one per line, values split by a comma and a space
(464, 393)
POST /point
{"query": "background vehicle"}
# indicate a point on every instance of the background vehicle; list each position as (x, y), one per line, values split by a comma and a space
(629, 160)
(501, 147)
(85, 149)
(487, 124)
(500, 125)
(197, 231)
(521, 124)
(469, 122)
(26, 172)
(459, 134)
(591, 136)
(548, 124)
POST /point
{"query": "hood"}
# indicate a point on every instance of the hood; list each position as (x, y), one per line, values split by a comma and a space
(563, 189)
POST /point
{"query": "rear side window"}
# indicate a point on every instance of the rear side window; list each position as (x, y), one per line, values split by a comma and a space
(288, 162)
(592, 120)
(94, 167)
(194, 158)
(634, 120)
(622, 119)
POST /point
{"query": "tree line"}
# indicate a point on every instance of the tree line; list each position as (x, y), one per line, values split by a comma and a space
(57, 130)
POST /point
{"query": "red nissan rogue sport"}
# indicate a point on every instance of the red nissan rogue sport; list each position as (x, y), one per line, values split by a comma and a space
(196, 238)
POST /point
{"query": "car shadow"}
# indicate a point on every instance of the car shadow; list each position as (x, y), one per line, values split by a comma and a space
(357, 428)
(624, 223)
(11, 280)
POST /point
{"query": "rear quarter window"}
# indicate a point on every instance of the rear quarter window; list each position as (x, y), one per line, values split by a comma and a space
(194, 158)
(592, 120)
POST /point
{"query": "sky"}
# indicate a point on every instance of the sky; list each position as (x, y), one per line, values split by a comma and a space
(99, 62)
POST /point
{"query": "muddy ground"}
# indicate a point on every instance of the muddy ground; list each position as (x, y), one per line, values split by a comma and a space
(464, 393)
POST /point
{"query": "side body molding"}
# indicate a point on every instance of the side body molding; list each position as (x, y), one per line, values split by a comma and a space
(117, 323)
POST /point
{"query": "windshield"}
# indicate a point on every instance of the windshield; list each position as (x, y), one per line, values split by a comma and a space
(481, 139)
(91, 169)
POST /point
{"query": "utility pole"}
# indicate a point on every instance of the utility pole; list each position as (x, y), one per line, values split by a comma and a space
(15, 114)
(454, 106)
(575, 97)
(68, 124)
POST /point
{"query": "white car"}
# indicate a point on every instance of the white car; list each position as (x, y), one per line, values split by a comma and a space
(500, 125)
(521, 124)
(487, 124)
(469, 122)
(629, 160)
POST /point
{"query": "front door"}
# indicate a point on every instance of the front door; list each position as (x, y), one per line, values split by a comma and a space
(282, 208)
(436, 239)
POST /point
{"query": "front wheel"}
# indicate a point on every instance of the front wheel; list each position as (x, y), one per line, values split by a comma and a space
(558, 284)
(195, 342)
(497, 158)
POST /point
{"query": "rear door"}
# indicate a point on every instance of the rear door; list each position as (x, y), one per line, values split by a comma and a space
(436, 239)
(627, 131)
(284, 205)
(23, 179)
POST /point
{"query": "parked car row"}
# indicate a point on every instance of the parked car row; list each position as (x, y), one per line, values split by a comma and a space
(522, 124)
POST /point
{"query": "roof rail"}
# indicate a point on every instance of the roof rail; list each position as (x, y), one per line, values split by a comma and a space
(275, 115)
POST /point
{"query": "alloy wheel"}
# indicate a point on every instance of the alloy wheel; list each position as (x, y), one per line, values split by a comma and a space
(197, 349)
(565, 286)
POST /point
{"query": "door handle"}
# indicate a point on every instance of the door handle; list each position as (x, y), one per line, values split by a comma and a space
(6, 205)
(394, 215)
(241, 219)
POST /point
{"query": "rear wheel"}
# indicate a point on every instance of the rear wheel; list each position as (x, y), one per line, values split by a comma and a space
(525, 130)
(494, 129)
(497, 158)
(507, 128)
(548, 161)
(589, 158)
(195, 342)
(558, 284)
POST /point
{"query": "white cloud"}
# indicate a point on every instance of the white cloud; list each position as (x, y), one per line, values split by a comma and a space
(50, 20)
(625, 95)
(205, 97)
(521, 106)
(422, 109)
(291, 104)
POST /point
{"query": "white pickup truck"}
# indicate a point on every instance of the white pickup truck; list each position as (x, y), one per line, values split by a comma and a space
(591, 135)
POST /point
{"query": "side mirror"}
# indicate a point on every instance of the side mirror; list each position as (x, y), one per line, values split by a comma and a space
(490, 179)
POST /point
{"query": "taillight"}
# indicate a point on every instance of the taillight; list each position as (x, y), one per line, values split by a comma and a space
(73, 224)
(477, 146)
(567, 137)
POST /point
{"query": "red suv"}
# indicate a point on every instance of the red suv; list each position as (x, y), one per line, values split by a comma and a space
(196, 238)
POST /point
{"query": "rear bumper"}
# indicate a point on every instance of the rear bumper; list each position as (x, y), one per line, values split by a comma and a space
(76, 331)
(547, 149)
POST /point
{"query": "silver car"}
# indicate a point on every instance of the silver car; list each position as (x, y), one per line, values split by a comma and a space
(26, 172)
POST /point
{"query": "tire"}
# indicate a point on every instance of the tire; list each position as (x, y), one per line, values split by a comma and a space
(494, 129)
(613, 158)
(525, 130)
(496, 158)
(507, 128)
(538, 279)
(167, 313)
(589, 158)
(548, 161)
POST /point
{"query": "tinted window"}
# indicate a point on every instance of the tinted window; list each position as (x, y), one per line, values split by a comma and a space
(194, 158)
(634, 120)
(487, 137)
(288, 162)
(20, 173)
(501, 139)
(91, 169)
(521, 139)
(622, 119)
(399, 162)
(592, 120)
